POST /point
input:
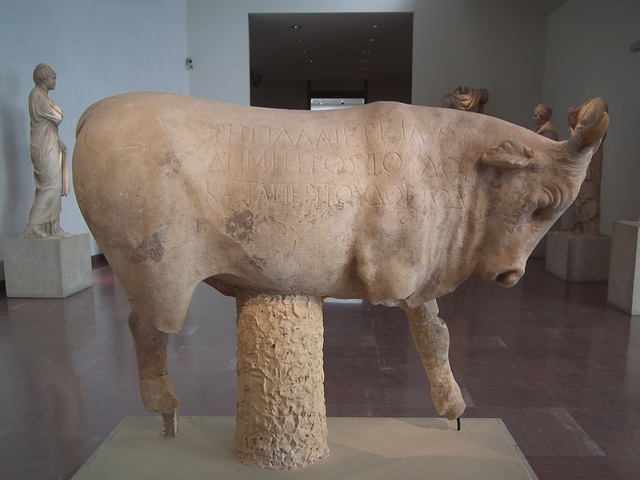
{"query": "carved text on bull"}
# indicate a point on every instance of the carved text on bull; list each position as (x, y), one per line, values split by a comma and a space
(258, 194)
(365, 164)
(234, 134)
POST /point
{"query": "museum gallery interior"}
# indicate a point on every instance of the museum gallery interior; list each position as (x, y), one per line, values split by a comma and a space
(330, 170)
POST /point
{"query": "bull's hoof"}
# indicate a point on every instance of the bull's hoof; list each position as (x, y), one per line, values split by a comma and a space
(445, 392)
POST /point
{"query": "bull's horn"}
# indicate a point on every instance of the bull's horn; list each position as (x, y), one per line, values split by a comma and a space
(590, 135)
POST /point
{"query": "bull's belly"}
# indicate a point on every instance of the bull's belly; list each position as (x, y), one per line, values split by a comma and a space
(290, 266)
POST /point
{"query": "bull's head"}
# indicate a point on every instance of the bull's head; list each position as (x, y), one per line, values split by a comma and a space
(527, 191)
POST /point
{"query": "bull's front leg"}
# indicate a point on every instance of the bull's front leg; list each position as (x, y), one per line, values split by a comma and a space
(431, 338)
(156, 388)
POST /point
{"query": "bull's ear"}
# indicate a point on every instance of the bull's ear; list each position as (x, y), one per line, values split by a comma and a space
(509, 154)
(590, 135)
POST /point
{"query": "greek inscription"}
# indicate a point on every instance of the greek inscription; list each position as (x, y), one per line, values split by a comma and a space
(412, 132)
(267, 135)
(389, 162)
(294, 161)
(256, 194)
(220, 162)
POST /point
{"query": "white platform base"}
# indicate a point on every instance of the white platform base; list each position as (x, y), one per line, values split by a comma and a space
(51, 267)
(361, 448)
(624, 268)
(578, 258)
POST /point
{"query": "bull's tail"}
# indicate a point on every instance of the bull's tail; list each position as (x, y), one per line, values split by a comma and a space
(81, 122)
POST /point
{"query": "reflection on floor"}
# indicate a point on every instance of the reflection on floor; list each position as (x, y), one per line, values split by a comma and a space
(552, 359)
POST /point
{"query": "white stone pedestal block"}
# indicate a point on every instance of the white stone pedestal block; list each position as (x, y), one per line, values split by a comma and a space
(624, 268)
(578, 258)
(281, 422)
(50, 267)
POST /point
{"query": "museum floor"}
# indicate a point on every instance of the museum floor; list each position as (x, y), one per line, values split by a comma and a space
(552, 359)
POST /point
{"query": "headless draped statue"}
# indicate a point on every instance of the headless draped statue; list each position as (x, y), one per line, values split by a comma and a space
(48, 156)
(467, 99)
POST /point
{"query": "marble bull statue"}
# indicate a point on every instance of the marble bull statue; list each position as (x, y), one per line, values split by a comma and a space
(392, 203)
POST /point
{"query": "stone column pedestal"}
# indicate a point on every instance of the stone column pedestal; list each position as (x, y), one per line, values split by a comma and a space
(49, 267)
(578, 258)
(624, 268)
(281, 422)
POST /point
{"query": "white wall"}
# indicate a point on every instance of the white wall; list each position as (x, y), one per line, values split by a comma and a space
(494, 44)
(588, 56)
(98, 48)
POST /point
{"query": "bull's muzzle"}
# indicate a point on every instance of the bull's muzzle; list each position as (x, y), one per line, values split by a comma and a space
(507, 278)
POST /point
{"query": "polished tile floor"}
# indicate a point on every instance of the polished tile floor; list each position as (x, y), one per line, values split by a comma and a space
(552, 359)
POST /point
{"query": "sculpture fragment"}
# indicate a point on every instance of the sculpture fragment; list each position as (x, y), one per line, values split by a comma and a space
(467, 99)
(542, 118)
(586, 207)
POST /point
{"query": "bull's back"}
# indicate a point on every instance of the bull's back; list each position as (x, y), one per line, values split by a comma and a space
(270, 197)
(253, 194)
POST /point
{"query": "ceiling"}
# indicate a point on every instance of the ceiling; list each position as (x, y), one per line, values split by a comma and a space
(337, 46)
(331, 46)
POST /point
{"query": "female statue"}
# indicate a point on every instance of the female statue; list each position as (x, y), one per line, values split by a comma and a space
(48, 156)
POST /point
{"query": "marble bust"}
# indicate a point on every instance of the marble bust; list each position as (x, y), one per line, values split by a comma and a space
(542, 118)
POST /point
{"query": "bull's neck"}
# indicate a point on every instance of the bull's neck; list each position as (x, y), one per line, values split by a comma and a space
(459, 235)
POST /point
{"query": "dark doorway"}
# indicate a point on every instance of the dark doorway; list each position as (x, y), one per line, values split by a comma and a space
(295, 56)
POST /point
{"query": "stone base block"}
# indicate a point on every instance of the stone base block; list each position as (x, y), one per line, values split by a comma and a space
(540, 251)
(578, 258)
(361, 449)
(624, 268)
(51, 267)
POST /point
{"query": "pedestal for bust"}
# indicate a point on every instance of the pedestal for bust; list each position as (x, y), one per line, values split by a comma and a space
(578, 258)
(281, 422)
(624, 268)
(48, 267)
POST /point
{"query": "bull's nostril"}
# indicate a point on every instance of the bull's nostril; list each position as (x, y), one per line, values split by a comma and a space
(508, 278)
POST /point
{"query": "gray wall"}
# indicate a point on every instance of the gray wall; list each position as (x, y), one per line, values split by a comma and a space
(576, 53)
(588, 56)
(98, 48)
(494, 44)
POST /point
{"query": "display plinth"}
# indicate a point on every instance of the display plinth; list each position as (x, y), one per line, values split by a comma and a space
(361, 449)
(624, 268)
(49, 267)
(578, 258)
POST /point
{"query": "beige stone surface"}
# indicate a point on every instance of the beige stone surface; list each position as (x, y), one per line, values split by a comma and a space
(281, 422)
(51, 267)
(361, 449)
(393, 203)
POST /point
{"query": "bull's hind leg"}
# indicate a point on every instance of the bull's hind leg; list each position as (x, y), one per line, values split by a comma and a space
(156, 388)
(431, 338)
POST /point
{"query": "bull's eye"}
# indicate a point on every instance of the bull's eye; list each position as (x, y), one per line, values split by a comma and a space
(542, 204)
